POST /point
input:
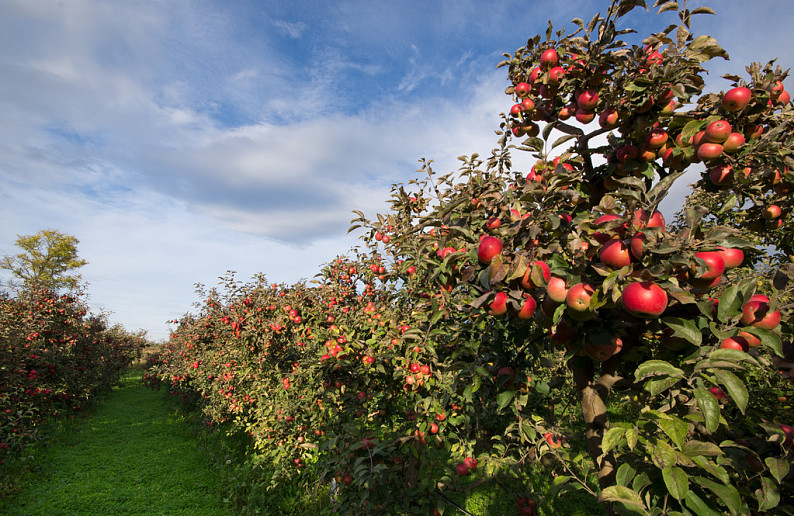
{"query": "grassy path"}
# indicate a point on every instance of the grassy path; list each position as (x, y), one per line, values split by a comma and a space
(133, 455)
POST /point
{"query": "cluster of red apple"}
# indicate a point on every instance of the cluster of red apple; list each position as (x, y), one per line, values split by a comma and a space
(468, 465)
(526, 506)
(643, 299)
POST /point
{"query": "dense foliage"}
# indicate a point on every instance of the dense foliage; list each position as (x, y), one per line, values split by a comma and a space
(448, 352)
(55, 358)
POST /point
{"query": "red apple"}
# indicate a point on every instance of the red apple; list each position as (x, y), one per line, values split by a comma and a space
(637, 245)
(490, 247)
(537, 275)
(644, 299)
(643, 219)
(735, 343)
(656, 138)
(733, 143)
(626, 153)
(603, 351)
(732, 257)
(717, 392)
(523, 89)
(578, 297)
(461, 470)
(499, 304)
(709, 151)
(751, 339)
(527, 308)
(736, 99)
(470, 463)
(721, 175)
(615, 253)
(549, 58)
(509, 372)
(715, 265)
(556, 289)
(493, 223)
(553, 441)
(756, 313)
(584, 116)
(718, 131)
(771, 212)
(587, 99)
(609, 118)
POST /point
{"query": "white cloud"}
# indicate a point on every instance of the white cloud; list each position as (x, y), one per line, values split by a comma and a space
(176, 141)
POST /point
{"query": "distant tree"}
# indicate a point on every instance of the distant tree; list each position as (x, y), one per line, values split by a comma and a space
(46, 260)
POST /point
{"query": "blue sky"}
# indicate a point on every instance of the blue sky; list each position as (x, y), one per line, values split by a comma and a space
(181, 139)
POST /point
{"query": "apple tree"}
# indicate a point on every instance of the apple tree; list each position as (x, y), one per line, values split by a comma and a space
(552, 250)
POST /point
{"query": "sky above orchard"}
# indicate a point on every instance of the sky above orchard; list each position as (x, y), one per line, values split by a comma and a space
(178, 140)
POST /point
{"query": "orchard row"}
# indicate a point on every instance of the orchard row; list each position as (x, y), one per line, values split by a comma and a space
(55, 358)
(488, 302)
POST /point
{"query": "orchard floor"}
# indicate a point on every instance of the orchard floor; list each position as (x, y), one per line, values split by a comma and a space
(133, 455)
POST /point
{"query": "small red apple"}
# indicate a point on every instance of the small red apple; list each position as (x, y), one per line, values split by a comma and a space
(772, 212)
(709, 151)
(756, 313)
(523, 89)
(490, 247)
(537, 275)
(718, 131)
(733, 143)
(615, 253)
(732, 257)
(644, 299)
(715, 265)
(578, 297)
(736, 99)
(549, 58)
(499, 304)
(527, 308)
(556, 289)
(736, 342)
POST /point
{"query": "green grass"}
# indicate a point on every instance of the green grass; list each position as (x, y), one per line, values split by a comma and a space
(134, 454)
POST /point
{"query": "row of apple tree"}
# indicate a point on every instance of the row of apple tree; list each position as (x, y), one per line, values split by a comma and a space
(534, 309)
(55, 358)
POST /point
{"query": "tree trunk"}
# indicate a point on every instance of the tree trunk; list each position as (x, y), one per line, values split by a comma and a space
(592, 397)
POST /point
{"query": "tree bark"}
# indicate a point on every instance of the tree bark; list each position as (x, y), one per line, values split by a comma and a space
(592, 397)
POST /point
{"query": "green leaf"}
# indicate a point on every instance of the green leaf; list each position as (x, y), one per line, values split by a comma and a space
(702, 10)
(656, 367)
(696, 448)
(769, 339)
(676, 481)
(654, 387)
(631, 438)
(778, 467)
(504, 398)
(676, 429)
(547, 131)
(612, 438)
(768, 496)
(730, 304)
(698, 506)
(662, 454)
(672, 5)
(625, 473)
(709, 407)
(562, 139)
(713, 469)
(684, 328)
(727, 494)
(622, 494)
(735, 387)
